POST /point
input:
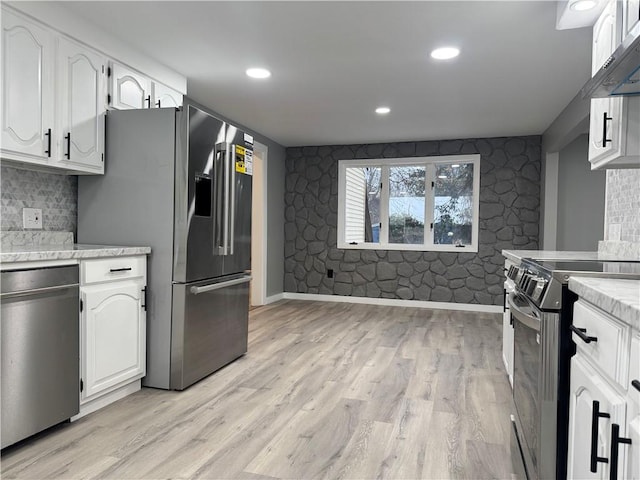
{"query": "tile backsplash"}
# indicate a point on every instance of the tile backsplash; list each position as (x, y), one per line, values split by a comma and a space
(56, 195)
(622, 215)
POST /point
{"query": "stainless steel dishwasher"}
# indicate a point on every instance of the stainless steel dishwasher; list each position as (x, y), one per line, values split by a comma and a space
(40, 350)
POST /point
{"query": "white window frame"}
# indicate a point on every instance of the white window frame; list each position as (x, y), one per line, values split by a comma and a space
(430, 164)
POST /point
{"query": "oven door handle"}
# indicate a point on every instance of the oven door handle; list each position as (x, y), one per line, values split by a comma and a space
(528, 319)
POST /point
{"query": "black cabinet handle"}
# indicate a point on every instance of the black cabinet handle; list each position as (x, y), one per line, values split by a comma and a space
(582, 333)
(148, 100)
(636, 384)
(120, 269)
(504, 301)
(144, 299)
(616, 440)
(48, 150)
(158, 104)
(68, 139)
(596, 415)
(605, 119)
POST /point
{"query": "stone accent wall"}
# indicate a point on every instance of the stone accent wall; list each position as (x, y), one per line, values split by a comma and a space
(56, 195)
(509, 218)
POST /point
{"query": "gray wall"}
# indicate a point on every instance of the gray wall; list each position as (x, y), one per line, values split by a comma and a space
(509, 215)
(56, 195)
(581, 193)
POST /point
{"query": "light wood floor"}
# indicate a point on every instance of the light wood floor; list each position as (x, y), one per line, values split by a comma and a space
(327, 390)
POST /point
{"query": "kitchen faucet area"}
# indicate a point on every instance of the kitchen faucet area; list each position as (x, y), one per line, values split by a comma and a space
(340, 240)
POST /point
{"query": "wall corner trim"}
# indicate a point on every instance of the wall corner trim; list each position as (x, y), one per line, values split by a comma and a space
(274, 298)
(392, 302)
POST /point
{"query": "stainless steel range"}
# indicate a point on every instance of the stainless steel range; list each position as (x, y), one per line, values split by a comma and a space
(541, 313)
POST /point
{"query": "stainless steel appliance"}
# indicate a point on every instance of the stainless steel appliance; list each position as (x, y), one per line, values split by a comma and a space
(542, 310)
(40, 350)
(180, 182)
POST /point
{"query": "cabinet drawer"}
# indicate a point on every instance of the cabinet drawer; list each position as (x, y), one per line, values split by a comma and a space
(113, 268)
(610, 352)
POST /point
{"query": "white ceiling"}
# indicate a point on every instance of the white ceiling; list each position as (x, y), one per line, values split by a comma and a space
(333, 63)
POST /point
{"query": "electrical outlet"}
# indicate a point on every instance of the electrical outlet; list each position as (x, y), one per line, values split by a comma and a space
(32, 218)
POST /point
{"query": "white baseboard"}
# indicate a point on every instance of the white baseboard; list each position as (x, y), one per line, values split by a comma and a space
(274, 298)
(108, 398)
(392, 302)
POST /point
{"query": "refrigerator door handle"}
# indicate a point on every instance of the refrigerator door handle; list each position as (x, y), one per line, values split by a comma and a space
(216, 286)
(232, 202)
(218, 222)
(228, 160)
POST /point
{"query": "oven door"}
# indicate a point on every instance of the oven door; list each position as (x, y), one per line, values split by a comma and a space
(535, 384)
(526, 371)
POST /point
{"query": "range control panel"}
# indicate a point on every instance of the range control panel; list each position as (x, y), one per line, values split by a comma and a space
(530, 283)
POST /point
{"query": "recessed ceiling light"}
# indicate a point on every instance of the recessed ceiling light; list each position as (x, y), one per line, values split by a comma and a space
(382, 110)
(258, 73)
(582, 5)
(445, 53)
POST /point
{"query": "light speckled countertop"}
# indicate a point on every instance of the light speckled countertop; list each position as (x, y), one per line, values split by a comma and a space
(620, 298)
(32, 253)
(517, 255)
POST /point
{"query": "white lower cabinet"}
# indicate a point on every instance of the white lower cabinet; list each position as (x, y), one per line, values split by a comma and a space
(604, 406)
(113, 336)
(112, 329)
(507, 325)
(593, 407)
(632, 468)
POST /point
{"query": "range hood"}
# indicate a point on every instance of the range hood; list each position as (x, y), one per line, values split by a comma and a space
(620, 74)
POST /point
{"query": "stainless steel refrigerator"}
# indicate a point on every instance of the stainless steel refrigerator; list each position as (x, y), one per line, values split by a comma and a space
(179, 180)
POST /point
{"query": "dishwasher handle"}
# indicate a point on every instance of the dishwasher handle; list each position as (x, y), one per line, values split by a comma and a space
(35, 291)
(216, 286)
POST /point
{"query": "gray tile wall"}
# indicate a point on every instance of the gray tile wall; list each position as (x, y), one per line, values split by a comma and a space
(509, 218)
(622, 214)
(56, 195)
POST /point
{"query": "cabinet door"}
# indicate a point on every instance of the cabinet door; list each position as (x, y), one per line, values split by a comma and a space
(27, 90)
(632, 470)
(81, 107)
(164, 96)
(129, 89)
(507, 326)
(631, 15)
(588, 387)
(605, 118)
(113, 336)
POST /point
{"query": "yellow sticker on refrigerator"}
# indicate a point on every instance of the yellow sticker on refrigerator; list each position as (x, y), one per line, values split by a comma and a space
(244, 160)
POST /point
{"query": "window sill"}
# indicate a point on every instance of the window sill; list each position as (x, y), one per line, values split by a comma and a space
(409, 248)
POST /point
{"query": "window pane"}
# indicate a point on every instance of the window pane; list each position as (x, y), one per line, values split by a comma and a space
(362, 205)
(406, 205)
(453, 205)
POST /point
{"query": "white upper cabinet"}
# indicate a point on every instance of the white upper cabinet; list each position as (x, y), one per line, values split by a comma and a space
(164, 96)
(129, 89)
(81, 107)
(27, 90)
(631, 15)
(615, 121)
(51, 121)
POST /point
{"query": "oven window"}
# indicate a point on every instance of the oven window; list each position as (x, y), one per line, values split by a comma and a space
(526, 368)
